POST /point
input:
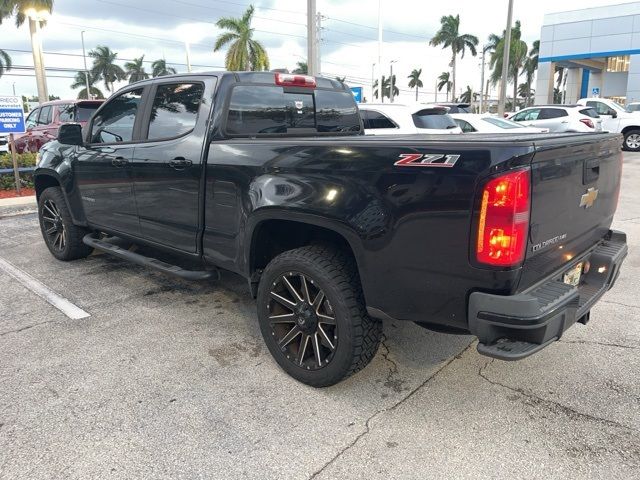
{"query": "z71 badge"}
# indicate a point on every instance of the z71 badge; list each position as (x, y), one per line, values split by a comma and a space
(426, 160)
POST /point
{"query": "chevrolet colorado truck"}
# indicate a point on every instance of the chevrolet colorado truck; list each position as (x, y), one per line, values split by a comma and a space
(267, 175)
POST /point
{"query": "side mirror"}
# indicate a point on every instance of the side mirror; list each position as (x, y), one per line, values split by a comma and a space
(70, 134)
(613, 113)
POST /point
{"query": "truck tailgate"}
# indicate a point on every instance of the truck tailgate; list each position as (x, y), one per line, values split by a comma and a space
(574, 195)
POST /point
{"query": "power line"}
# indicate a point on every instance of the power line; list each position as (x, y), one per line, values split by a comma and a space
(376, 28)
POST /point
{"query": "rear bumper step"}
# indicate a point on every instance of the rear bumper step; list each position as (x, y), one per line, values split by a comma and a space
(150, 262)
(516, 326)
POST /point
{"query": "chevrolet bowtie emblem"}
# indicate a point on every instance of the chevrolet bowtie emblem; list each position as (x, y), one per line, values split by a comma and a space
(589, 198)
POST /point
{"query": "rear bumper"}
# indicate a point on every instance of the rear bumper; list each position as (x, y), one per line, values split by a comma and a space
(516, 326)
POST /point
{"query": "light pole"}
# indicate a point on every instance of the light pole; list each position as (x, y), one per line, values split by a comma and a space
(391, 83)
(14, 89)
(86, 72)
(312, 41)
(35, 17)
(188, 50)
(505, 62)
(373, 75)
(380, 51)
(484, 51)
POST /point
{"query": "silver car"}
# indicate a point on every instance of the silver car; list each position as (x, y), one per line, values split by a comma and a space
(560, 118)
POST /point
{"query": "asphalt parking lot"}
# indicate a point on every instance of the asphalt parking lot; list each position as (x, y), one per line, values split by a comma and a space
(170, 379)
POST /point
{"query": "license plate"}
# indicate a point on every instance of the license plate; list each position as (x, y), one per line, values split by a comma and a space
(572, 277)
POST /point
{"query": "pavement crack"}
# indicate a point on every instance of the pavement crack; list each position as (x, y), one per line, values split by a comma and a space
(619, 303)
(604, 344)
(2, 334)
(367, 424)
(559, 406)
(394, 383)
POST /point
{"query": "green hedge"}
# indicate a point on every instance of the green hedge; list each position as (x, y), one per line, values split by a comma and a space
(7, 181)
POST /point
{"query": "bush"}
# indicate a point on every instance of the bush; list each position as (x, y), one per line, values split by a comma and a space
(7, 180)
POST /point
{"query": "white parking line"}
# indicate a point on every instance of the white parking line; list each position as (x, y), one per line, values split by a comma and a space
(65, 306)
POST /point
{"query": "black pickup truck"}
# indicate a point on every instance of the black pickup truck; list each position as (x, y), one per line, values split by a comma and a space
(270, 176)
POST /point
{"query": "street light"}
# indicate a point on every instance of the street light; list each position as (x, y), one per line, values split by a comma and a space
(188, 51)
(86, 72)
(373, 76)
(35, 17)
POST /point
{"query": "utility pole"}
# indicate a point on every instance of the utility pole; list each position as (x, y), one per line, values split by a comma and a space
(391, 81)
(318, 42)
(86, 72)
(505, 61)
(373, 78)
(380, 51)
(484, 51)
(312, 41)
(188, 51)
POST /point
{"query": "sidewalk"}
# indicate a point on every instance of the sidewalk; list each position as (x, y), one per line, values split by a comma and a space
(17, 206)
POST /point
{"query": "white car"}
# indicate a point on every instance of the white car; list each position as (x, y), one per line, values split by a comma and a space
(4, 144)
(397, 119)
(633, 107)
(560, 118)
(483, 123)
(617, 120)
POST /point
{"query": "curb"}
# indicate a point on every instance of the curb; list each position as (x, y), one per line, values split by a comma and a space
(10, 207)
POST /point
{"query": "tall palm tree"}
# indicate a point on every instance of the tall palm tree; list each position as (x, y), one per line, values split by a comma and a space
(444, 80)
(80, 81)
(467, 95)
(530, 67)
(517, 57)
(104, 66)
(414, 80)
(135, 70)
(5, 62)
(386, 88)
(449, 37)
(19, 8)
(244, 53)
(301, 68)
(159, 68)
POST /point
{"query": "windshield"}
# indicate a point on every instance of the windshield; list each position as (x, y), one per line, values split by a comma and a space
(616, 106)
(433, 119)
(634, 107)
(502, 123)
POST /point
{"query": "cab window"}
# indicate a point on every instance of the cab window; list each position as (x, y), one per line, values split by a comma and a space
(375, 120)
(45, 115)
(66, 112)
(175, 110)
(601, 108)
(32, 119)
(114, 123)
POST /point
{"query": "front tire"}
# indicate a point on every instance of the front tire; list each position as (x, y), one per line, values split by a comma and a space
(62, 237)
(312, 316)
(632, 141)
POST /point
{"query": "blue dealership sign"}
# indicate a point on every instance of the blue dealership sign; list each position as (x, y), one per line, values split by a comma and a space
(11, 115)
(357, 94)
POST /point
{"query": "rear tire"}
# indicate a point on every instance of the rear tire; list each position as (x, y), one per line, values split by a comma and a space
(318, 330)
(62, 237)
(631, 141)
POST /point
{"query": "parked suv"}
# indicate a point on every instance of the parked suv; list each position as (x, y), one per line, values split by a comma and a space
(43, 122)
(4, 143)
(397, 119)
(560, 118)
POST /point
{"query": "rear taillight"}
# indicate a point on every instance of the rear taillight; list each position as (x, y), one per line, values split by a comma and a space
(289, 80)
(587, 122)
(504, 219)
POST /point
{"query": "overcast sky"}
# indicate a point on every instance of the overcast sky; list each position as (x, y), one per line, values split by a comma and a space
(158, 29)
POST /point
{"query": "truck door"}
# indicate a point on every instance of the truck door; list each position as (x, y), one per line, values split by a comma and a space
(103, 166)
(167, 166)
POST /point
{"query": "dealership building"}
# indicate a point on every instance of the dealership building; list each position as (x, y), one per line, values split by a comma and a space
(599, 49)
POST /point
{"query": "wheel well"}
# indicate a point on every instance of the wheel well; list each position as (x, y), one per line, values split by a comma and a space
(42, 182)
(272, 237)
(626, 130)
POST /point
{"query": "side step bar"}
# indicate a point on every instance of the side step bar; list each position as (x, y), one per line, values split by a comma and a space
(511, 350)
(154, 263)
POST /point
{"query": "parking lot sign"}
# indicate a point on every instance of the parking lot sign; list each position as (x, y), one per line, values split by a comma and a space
(357, 94)
(11, 115)
(595, 92)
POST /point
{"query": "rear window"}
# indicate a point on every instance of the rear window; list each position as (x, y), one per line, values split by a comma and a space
(263, 110)
(83, 114)
(434, 119)
(590, 112)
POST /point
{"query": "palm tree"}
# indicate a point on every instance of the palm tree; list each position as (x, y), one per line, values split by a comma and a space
(386, 90)
(80, 81)
(244, 53)
(449, 37)
(517, 57)
(530, 67)
(105, 67)
(444, 80)
(414, 80)
(5, 62)
(302, 68)
(159, 68)
(135, 70)
(341, 79)
(19, 8)
(467, 95)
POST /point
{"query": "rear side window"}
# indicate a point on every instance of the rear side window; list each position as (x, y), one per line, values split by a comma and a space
(66, 113)
(114, 123)
(549, 113)
(256, 110)
(433, 119)
(527, 115)
(45, 115)
(589, 112)
(465, 126)
(175, 110)
(375, 120)
(83, 114)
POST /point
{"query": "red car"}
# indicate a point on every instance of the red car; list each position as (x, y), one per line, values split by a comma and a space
(43, 122)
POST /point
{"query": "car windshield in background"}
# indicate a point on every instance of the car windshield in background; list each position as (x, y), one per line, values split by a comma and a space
(634, 107)
(590, 112)
(499, 122)
(433, 119)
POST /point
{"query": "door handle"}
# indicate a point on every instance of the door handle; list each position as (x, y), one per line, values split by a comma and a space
(119, 162)
(179, 163)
